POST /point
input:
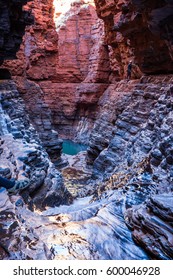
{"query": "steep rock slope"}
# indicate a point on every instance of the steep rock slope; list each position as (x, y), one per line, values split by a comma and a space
(131, 147)
(40, 42)
(139, 30)
(13, 21)
(63, 63)
(135, 196)
(22, 155)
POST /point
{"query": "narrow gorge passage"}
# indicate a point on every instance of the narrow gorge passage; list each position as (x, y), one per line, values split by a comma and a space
(108, 193)
(93, 230)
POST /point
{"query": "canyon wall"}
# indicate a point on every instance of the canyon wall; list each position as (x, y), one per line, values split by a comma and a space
(62, 70)
(68, 73)
(13, 21)
(130, 148)
(22, 155)
(131, 143)
(69, 57)
(141, 31)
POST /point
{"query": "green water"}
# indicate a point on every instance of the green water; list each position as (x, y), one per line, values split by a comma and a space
(71, 148)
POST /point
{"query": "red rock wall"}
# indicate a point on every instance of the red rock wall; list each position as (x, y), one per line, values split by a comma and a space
(64, 48)
(37, 56)
(139, 30)
(68, 57)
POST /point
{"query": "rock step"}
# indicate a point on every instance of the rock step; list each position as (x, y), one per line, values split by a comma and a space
(127, 114)
(162, 206)
(156, 79)
(152, 225)
(159, 231)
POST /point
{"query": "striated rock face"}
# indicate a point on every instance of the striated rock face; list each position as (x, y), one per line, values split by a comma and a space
(62, 55)
(13, 21)
(22, 155)
(18, 241)
(152, 225)
(84, 230)
(139, 117)
(131, 146)
(39, 44)
(68, 74)
(139, 30)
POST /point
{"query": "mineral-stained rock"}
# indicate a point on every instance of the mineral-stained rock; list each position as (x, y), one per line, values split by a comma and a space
(68, 73)
(62, 55)
(17, 240)
(22, 154)
(152, 225)
(141, 30)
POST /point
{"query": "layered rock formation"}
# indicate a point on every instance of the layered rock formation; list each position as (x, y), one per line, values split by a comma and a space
(118, 201)
(128, 212)
(139, 30)
(22, 155)
(152, 225)
(40, 42)
(132, 140)
(85, 231)
(62, 55)
(13, 21)
(18, 241)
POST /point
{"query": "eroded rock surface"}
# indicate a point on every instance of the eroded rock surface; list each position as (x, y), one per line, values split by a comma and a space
(68, 74)
(22, 154)
(152, 225)
(84, 230)
(132, 138)
(141, 30)
(13, 22)
(18, 241)
(63, 64)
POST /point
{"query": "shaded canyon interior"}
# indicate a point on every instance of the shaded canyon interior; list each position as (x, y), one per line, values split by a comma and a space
(63, 76)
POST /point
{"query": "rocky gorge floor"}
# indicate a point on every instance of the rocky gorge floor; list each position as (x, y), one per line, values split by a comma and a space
(122, 206)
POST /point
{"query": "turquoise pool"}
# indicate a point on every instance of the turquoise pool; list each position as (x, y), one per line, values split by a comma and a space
(72, 148)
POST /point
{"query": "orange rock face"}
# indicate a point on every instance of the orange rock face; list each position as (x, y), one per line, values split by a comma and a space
(40, 43)
(139, 30)
(62, 55)
(69, 56)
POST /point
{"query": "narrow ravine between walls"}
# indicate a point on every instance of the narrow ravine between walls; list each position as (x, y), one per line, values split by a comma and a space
(96, 202)
(96, 147)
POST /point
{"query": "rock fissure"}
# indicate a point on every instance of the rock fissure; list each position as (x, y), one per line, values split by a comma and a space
(113, 201)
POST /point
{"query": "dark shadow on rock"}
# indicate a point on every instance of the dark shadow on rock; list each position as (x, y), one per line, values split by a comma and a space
(5, 74)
